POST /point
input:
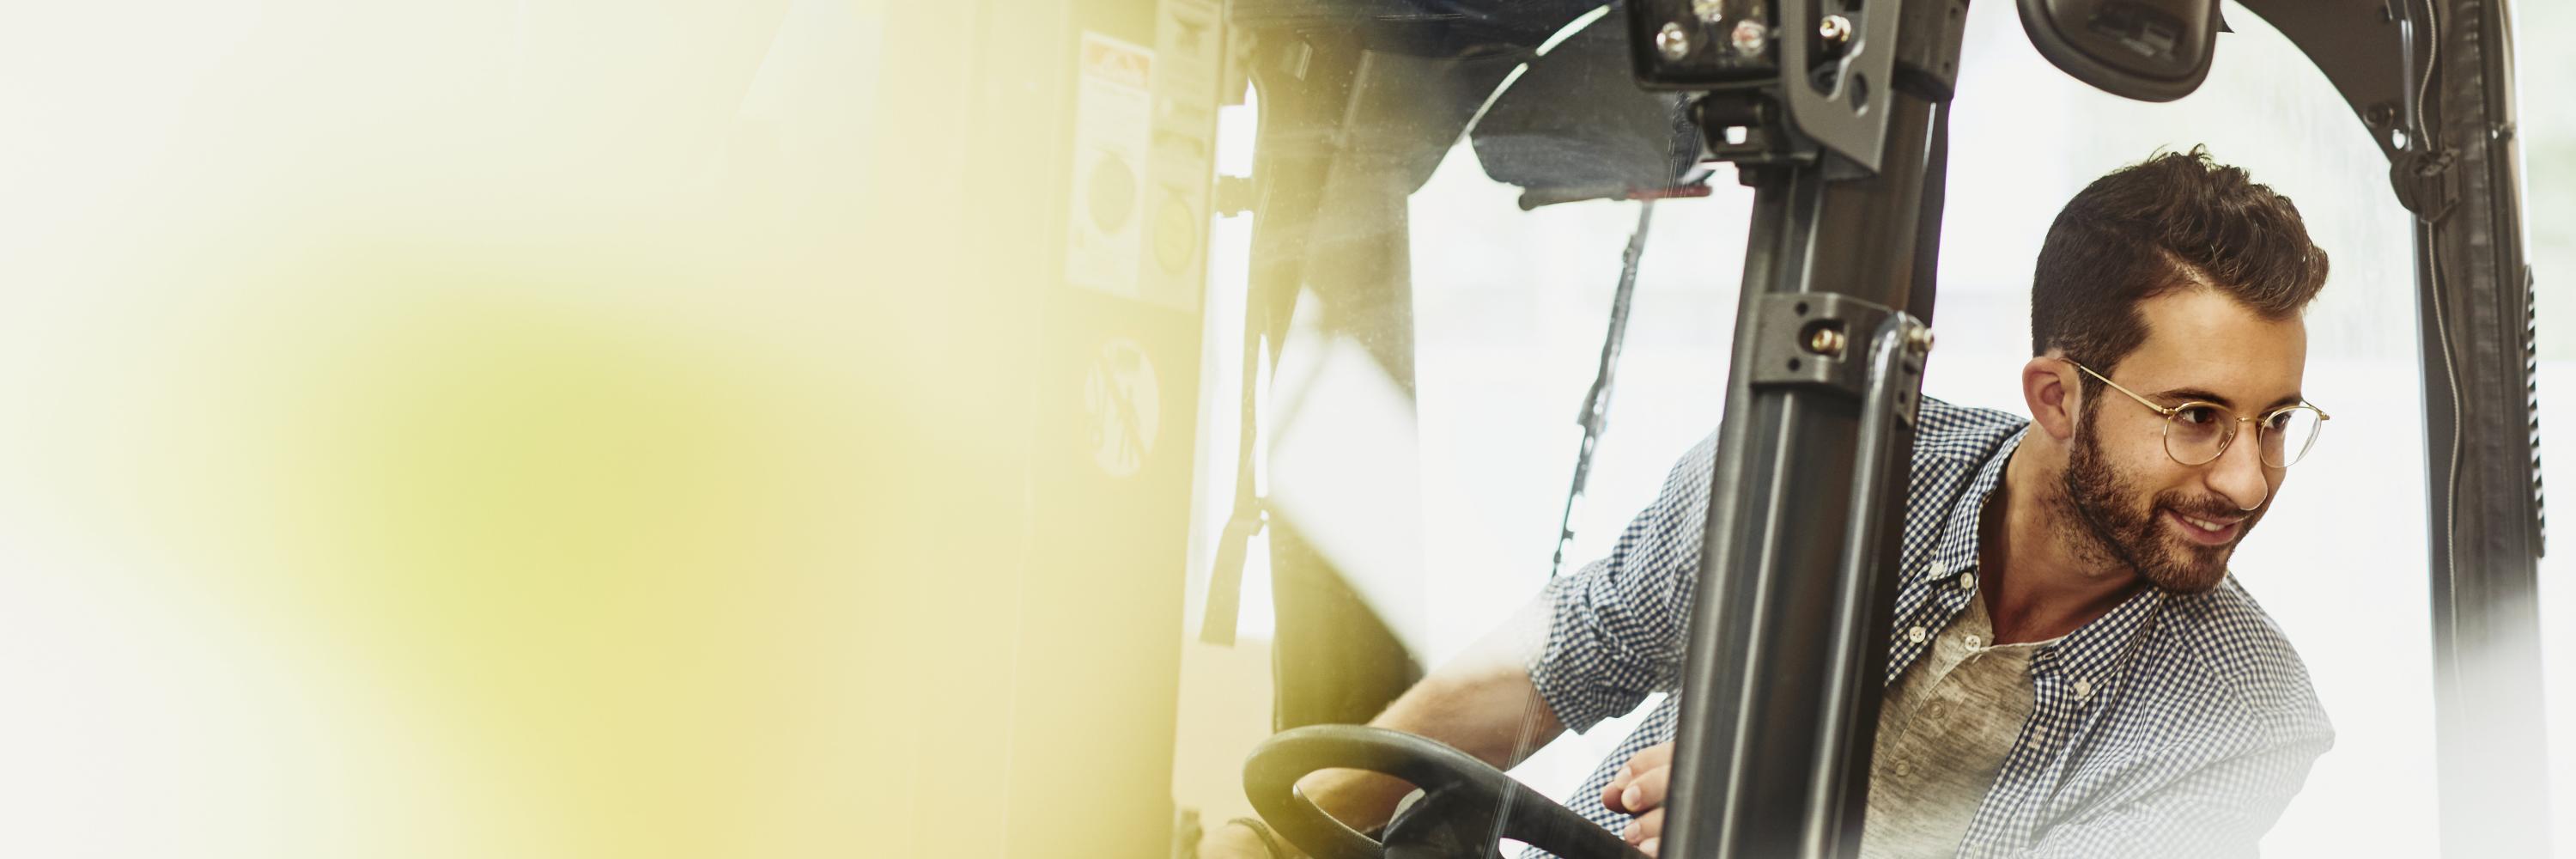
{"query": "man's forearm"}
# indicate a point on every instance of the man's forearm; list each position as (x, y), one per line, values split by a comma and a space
(1493, 713)
(1481, 703)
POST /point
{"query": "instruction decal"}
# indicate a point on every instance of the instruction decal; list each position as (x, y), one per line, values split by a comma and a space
(1124, 401)
(1112, 133)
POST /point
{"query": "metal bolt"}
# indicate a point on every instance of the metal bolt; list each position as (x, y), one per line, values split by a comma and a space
(1749, 36)
(1709, 11)
(1920, 340)
(1673, 41)
(1826, 341)
(1836, 29)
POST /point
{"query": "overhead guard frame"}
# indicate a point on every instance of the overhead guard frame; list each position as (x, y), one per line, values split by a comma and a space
(1769, 662)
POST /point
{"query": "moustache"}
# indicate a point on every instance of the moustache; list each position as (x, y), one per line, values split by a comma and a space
(2208, 507)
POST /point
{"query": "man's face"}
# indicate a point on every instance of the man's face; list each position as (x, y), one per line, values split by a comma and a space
(2141, 508)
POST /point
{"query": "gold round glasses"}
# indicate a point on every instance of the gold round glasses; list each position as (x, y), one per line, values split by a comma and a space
(2197, 432)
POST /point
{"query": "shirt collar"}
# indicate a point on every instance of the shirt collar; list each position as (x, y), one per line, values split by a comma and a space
(1956, 550)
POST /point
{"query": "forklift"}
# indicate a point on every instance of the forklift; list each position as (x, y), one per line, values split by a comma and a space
(1835, 114)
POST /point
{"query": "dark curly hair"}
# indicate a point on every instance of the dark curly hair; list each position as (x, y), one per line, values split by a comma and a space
(2172, 221)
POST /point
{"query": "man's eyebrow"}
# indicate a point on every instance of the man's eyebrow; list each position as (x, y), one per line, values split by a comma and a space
(2178, 394)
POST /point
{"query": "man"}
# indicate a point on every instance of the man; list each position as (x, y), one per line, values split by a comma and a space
(2073, 673)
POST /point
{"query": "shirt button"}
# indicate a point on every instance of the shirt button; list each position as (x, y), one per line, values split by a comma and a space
(1916, 635)
(1903, 768)
(2083, 690)
(1972, 641)
(1967, 581)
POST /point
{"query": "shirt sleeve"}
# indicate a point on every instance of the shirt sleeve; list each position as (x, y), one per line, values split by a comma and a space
(1615, 626)
(2219, 810)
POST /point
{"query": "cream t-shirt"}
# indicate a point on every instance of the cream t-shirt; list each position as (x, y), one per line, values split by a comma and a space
(1943, 732)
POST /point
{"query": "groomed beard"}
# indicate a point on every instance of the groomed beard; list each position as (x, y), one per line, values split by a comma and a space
(2116, 530)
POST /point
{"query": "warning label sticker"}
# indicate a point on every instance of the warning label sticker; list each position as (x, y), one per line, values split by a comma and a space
(1112, 131)
(1124, 399)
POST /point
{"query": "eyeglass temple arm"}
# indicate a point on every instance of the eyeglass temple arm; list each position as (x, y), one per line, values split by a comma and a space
(2162, 410)
(2168, 411)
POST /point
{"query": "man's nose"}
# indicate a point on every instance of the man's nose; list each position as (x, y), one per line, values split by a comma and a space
(2239, 472)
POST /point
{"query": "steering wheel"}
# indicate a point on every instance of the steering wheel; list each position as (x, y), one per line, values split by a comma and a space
(1456, 818)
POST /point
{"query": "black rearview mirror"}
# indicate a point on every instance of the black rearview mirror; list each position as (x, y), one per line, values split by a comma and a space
(2150, 50)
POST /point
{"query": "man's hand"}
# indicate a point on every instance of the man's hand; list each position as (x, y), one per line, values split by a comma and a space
(1638, 791)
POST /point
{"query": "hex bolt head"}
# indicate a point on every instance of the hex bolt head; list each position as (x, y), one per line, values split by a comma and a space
(1672, 41)
(1826, 341)
(1920, 340)
(1835, 29)
(1749, 36)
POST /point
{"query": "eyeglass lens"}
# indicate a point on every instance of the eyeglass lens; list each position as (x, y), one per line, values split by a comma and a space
(2197, 433)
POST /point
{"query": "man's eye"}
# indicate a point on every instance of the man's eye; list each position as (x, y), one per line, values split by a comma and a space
(2196, 414)
(2277, 420)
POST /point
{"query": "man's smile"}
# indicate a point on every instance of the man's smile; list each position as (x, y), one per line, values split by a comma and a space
(2207, 532)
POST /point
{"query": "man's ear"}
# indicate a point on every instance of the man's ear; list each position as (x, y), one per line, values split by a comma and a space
(2049, 387)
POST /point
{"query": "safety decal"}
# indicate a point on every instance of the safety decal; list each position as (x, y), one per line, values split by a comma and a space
(1112, 131)
(1123, 398)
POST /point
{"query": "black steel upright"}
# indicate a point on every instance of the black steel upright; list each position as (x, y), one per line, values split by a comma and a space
(1769, 658)
(2481, 437)
(2432, 82)
(1788, 626)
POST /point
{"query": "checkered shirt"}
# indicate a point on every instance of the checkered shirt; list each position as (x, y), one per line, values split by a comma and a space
(2174, 725)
